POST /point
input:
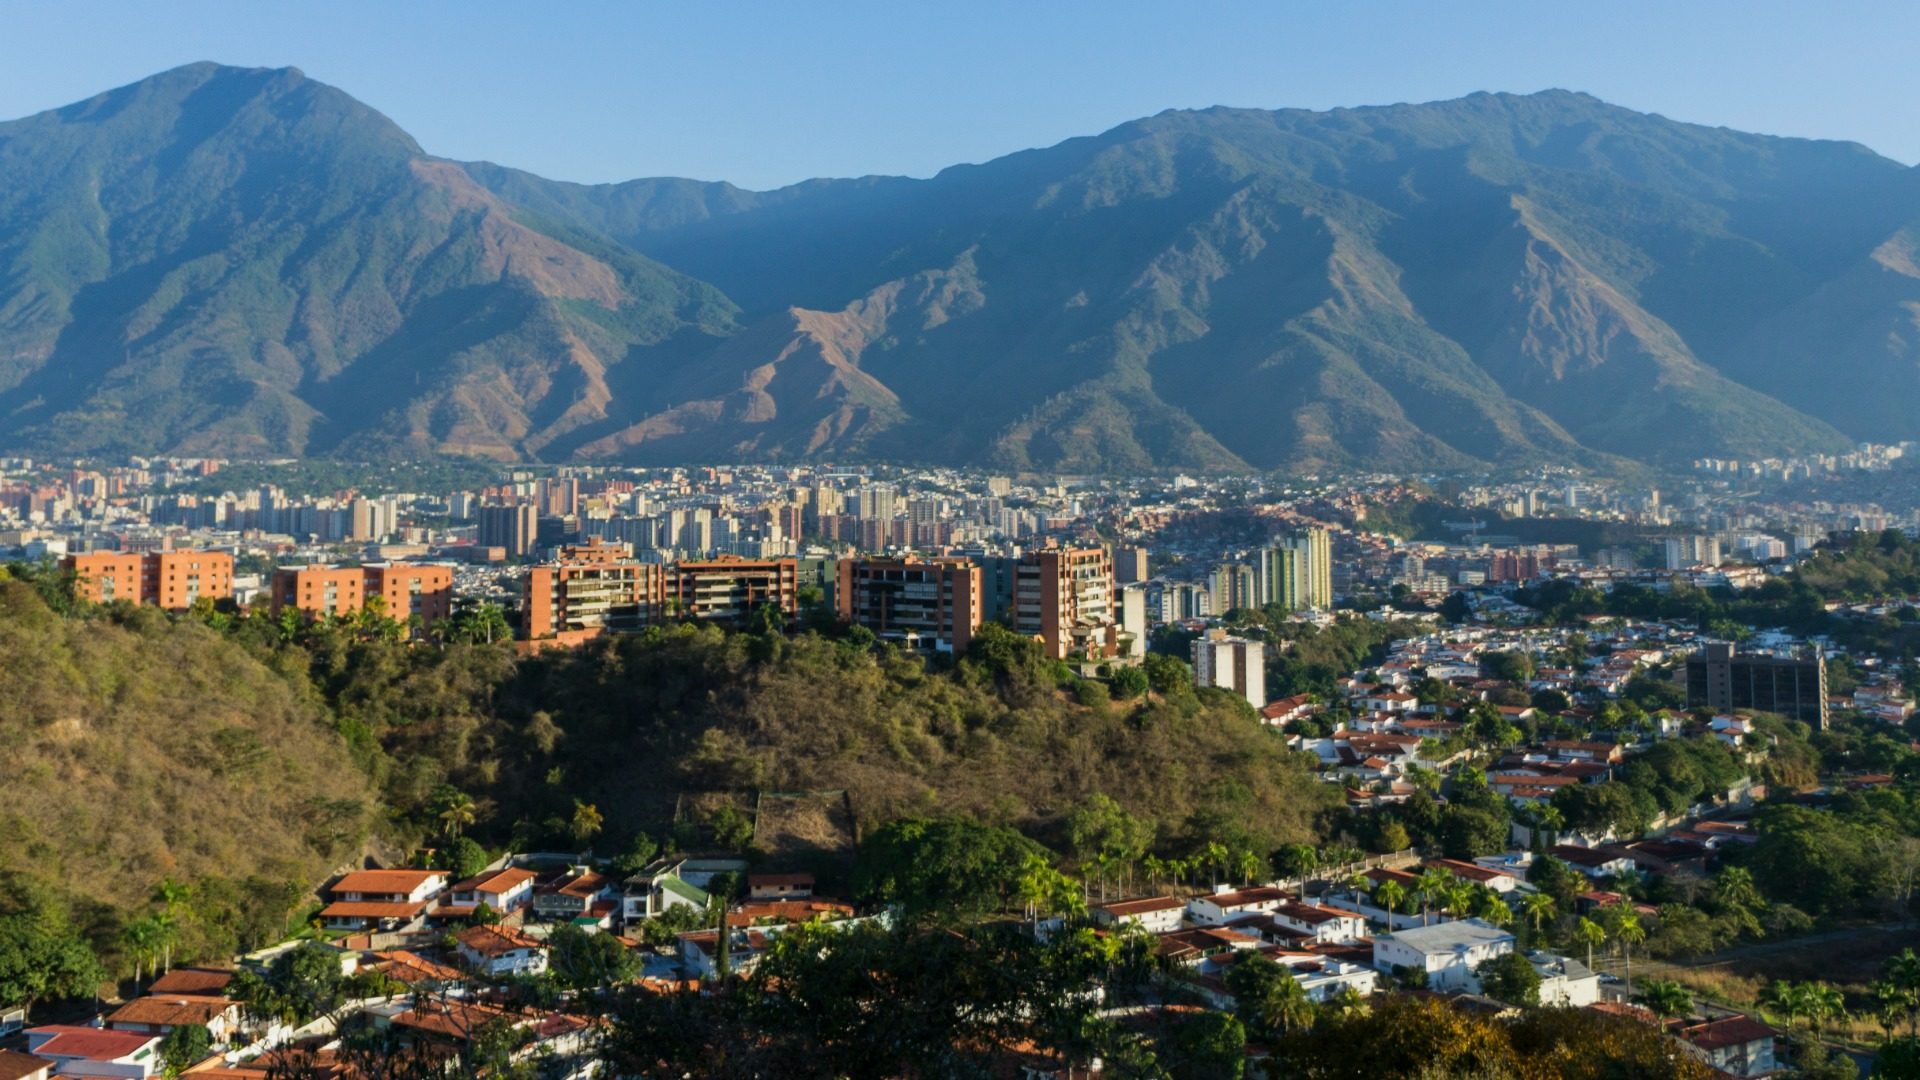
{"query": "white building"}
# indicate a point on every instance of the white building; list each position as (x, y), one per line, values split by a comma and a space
(1227, 905)
(1231, 663)
(1448, 952)
(1156, 914)
(1565, 981)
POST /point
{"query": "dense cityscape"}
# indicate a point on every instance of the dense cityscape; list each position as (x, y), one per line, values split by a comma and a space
(1072, 541)
(1561, 737)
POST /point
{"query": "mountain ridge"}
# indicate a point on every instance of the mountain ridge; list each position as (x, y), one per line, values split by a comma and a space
(247, 261)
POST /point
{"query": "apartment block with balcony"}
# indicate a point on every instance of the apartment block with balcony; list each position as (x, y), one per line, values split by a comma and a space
(1065, 597)
(592, 589)
(927, 604)
(730, 589)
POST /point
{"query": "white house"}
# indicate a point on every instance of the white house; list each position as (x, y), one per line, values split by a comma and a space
(1565, 981)
(1225, 906)
(96, 1052)
(1448, 952)
(1155, 914)
(381, 899)
(1325, 925)
(501, 950)
(504, 891)
(649, 896)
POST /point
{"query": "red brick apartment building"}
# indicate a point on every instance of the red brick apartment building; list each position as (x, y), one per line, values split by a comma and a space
(173, 580)
(935, 604)
(408, 589)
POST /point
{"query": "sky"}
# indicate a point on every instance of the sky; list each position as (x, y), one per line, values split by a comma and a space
(764, 94)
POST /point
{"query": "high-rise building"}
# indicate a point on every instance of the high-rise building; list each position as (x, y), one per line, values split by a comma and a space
(1232, 586)
(931, 604)
(1719, 677)
(591, 589)
(1311, 582)
(1276, 577)
(513, 527)
(1129, 565)
(1065, 597)
(1231, 663)
(1686, 551)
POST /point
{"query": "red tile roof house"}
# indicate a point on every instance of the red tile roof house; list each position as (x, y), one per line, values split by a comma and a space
(191, 980)
(1223, 907)
(1736, 1045)
(1475, 874)
(1155, 914)
(159, 1014)
(501, 950)
(23, 1066)
(576, 897)
(504, 891)
(1319, 924)
(90, 1051)
(382, 899)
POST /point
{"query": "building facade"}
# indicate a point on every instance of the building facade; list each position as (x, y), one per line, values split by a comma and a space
(592, 589)
(729, 589)
(514, 528)
(1720, 677)
(174, 580)
(1065, 597)
(930, 604)
(1233, 664)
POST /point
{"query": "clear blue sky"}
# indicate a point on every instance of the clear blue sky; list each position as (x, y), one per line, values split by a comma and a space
(768, 93)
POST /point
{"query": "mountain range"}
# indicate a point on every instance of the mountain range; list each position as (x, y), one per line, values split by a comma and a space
(251, 263)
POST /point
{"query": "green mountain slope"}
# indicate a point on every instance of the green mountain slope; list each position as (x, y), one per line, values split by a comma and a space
(1493, 279)
(249, 262)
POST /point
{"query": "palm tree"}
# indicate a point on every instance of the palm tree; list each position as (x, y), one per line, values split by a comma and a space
(1628, 931)
(1538, 908)
(1824, 1003)
(1497, 912)
(1032, 886)
(1893, 1001)
(1904, 972)
(1667, 998)
(456, 813)
(1390, 895)
(1590, 934)
(1214, 855)
(586, 821)
(1785, 997)
(1358, 883)
(1734, 887)
(1346, 1003)
(1432, 886)
(1155, 868)
(140, 939)
(176, 900)
(1551, 819)
(1248, 864)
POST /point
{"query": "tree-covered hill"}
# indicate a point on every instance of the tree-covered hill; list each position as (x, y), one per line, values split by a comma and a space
(140, 748)
(244, 758)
